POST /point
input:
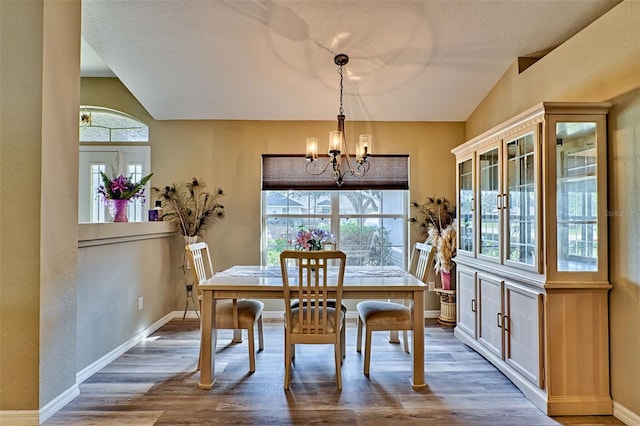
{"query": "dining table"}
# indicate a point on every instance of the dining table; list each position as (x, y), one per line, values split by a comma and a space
(265, 282)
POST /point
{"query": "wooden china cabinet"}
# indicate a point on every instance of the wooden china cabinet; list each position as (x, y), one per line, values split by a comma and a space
(532, 276)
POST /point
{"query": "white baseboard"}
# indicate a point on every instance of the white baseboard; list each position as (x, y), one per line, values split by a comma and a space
(625, 415)
(35, 417)
(38, 417)
(98, 365)
(432, 314)
(59, 402)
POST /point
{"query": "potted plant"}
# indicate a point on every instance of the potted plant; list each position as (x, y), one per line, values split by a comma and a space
(117, 191)
(436, 223)
(190, 208)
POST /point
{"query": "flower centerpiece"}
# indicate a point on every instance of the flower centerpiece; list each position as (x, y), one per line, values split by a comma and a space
(117, 191)
(190, 208)
(436, 223)
(312, 239)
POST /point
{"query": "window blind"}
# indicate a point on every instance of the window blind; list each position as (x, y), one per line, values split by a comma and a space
(288, 172)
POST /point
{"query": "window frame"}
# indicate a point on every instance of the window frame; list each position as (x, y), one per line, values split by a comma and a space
(335, 217)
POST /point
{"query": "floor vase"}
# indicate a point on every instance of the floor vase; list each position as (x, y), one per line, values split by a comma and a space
(188, 239)
(445, 277)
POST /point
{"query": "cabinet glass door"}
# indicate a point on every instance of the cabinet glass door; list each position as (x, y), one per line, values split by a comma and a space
(577, 196)
(465, 206)
(520, 202)
(489, 217)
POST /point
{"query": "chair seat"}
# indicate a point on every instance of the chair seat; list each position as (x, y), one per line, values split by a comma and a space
(331, 319)
(331, 303)
(377, 313)
(248, 312)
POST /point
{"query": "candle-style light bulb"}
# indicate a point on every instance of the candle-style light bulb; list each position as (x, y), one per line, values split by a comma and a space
(363, 149)
(335, 143)
(312, 149)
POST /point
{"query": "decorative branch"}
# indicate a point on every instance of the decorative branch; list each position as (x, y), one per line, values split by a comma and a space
(191, 209)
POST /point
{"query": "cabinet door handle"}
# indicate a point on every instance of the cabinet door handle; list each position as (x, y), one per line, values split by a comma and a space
(499, 318)
(499, 201)
(505, 201)
(505, 322)
(473, 305)
(473, 201)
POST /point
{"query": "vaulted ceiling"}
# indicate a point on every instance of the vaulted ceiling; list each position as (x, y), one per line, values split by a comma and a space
(410, 60)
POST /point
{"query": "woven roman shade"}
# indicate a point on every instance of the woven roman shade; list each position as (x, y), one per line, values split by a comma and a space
(288, 172)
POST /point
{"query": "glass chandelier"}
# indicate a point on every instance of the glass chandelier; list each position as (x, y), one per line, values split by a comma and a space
(338, 145)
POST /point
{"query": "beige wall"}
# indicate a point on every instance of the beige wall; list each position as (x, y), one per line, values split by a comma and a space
(227, 154)
(59, 198)
(40, 56)
(116, 266)
(601, 63)
(21, 113)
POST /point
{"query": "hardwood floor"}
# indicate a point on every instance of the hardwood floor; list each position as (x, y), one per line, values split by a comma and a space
(155, 383)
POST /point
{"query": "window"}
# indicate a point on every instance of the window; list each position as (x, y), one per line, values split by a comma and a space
(367, 215)
(370, 226)
(99, 124)
(114, 143)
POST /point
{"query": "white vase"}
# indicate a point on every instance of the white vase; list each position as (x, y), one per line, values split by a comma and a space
(190, 240)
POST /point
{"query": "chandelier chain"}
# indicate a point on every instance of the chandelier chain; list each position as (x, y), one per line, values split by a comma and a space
(341, 108)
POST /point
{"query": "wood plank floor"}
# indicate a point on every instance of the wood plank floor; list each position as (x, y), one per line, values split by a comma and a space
(155, 383)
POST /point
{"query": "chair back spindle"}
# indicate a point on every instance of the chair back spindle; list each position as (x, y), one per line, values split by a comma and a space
(200, 262)
(426, 257)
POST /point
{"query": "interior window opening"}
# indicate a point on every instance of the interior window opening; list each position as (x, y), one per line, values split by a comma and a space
(111, 142)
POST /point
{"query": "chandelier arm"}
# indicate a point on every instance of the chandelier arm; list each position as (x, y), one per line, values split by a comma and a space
(362, 169)
(312, 172)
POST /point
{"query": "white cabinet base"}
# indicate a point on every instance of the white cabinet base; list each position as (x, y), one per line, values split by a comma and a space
(575, 375)
(551, 406)
(536, 395)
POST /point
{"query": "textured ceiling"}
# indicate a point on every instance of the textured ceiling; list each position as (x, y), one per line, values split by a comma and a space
(273, 60)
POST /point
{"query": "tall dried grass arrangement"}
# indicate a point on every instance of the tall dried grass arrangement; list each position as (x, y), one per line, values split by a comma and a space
(436, 224)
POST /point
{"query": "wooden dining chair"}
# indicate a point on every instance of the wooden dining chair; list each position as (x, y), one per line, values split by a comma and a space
(377, 315)
(314, 321)
(331, 303)
(232, 314)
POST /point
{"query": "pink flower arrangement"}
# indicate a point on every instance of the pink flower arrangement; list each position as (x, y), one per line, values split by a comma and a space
(312, 239)
(122, 187)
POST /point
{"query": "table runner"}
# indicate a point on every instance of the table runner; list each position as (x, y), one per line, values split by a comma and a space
(354, 272)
